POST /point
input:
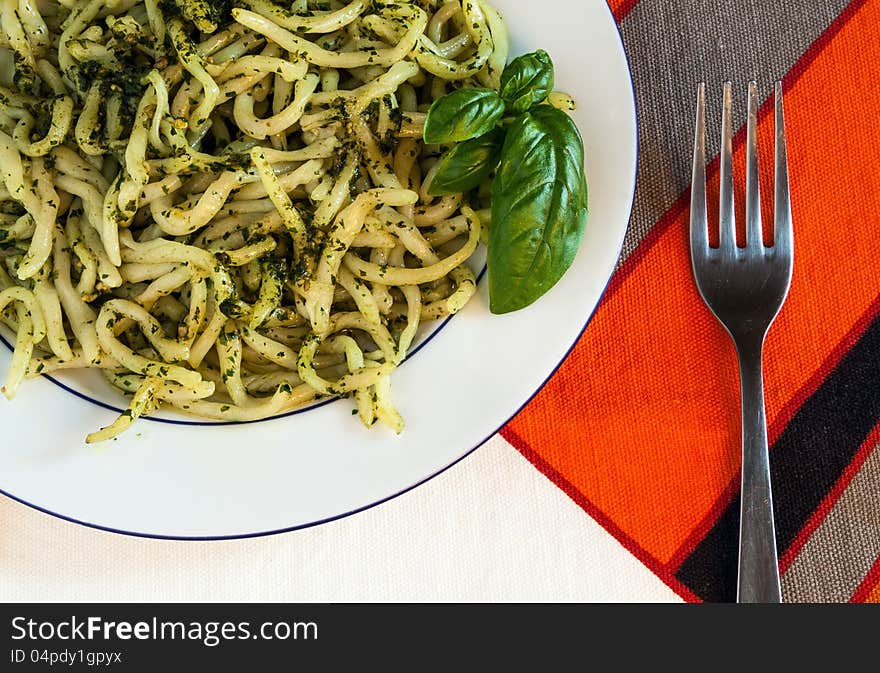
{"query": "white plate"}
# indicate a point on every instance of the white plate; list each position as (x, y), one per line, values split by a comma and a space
(204, 481)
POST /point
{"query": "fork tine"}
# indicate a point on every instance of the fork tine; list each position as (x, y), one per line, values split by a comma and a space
(754, 230)
(699, 215)
(726, 215)
(782, 234)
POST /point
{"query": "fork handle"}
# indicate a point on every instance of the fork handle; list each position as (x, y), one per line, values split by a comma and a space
(758, 577)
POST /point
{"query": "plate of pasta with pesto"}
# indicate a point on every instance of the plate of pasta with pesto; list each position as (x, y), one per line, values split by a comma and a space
(267, 263)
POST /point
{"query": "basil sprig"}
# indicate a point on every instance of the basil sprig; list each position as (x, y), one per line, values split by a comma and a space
(527, 81)
(467, 164)
(539, 208)
(539, 195)
(462, 115)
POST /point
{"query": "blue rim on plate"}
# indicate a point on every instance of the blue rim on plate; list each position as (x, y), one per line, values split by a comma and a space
(312, 524)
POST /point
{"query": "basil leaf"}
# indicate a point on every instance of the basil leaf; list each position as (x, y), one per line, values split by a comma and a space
(462, 115)
(527, 81)
(467, 164)
(539, 208)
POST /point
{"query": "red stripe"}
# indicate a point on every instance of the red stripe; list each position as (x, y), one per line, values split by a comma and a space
(662, 571)
(701, 530)
(872, 579)
(824, 509)
(775, 430)
(624, 9)
(683, 201)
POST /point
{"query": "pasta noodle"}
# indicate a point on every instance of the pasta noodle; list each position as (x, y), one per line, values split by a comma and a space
(222, 206)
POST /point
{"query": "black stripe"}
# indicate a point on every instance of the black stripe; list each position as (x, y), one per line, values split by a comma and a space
(805, 462)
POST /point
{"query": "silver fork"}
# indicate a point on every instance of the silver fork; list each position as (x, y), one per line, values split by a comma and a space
(745, 288)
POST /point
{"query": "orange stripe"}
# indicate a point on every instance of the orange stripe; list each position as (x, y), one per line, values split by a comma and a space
(643, 417)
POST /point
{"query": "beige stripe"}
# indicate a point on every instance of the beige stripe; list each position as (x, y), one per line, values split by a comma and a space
(838, 555)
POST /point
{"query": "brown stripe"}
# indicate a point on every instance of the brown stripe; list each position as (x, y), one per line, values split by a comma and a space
(836, 558)
(715, 40)
(869, 590)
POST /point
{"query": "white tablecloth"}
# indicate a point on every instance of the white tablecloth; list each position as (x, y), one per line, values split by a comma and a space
(492, 528)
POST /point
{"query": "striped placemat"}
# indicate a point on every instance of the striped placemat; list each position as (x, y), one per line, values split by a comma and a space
(641, 425)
